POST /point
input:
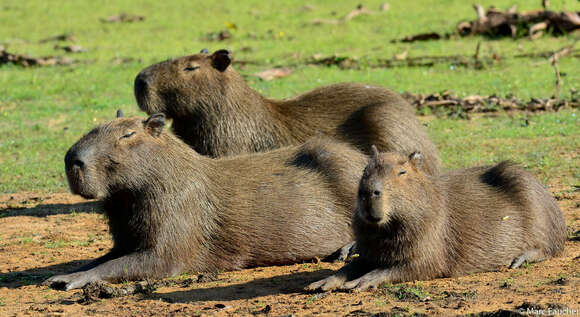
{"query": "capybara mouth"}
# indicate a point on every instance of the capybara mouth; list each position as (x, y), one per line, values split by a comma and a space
(76, 182)
(372, 219)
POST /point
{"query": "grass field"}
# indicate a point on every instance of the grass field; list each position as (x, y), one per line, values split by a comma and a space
(44, 110)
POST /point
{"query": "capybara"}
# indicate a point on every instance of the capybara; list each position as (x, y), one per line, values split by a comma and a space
(412, 226)
(218, 114)
(171, 209)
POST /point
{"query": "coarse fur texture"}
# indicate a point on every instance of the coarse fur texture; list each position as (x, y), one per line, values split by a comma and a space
(218, 114)
(412, 226)
(171, 209)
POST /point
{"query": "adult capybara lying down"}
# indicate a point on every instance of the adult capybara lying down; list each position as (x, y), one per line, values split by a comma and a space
(411, 226)
(171, 209)
(218, 114)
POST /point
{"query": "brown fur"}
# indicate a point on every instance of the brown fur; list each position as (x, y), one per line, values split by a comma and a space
(410, 226)
(218, 114)
(171, 209)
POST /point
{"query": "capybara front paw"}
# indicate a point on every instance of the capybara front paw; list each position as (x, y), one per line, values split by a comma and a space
(70, 281)
(362, 283)
(330, 283)
(347, 252)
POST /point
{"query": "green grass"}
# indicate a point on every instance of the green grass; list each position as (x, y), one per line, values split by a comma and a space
(548, 145)
(43, 111)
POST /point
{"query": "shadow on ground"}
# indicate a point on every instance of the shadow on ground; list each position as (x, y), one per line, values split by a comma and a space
(36, 276)
(43, 210)
(282, 284)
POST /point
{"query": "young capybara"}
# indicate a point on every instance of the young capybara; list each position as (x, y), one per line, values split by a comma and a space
(411, 226)
(218, 114)
(171, 209)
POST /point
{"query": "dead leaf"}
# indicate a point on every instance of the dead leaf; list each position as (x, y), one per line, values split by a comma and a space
(384, 7)
(360, 10)
(325, 21)
(218, 36)
(401, 56)
(356, 12)
(125, 60)
(70, 48)
(274, 73)
(123, 18)
(343, 62)
(59, 38)
(420, 37)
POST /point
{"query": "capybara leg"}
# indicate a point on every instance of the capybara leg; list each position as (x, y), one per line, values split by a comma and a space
(528, 256)
(129, 267)
(98, 261)
(349, 271)
(370, 280)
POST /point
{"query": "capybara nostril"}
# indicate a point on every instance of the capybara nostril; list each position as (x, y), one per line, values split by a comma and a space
(78, 163)
(72, 159)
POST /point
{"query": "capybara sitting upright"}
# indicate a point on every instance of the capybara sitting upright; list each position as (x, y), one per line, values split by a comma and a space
(218, 114)
(411, 226)
(171, 209)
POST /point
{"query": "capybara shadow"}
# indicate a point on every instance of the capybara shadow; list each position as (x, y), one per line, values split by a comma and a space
(282, 284)
(172, 210)
(43, 210)
(218, 114)
(410, 226)
(35, 276)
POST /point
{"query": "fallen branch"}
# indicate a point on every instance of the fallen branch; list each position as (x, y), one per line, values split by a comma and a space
(27, 61)
(567, 50)
(497, 23)
(360, 10)
(494, 22)
(448, 101)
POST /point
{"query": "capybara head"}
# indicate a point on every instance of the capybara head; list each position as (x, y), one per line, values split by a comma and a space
(388, 185)
(111, 155)
(166, 86)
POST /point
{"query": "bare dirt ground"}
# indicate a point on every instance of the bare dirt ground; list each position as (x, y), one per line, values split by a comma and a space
(44, 234)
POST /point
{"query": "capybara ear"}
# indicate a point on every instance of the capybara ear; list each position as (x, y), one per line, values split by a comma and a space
(416, 159)
(220, 60)
(154, 124)
(119, 113)
(204, 51)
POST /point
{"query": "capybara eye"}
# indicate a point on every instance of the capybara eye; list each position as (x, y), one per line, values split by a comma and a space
(377, 193)
(401, 172)
(128, 135)
(190, 68)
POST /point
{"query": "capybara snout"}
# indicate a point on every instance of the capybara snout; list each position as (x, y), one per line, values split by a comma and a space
(75, 162)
